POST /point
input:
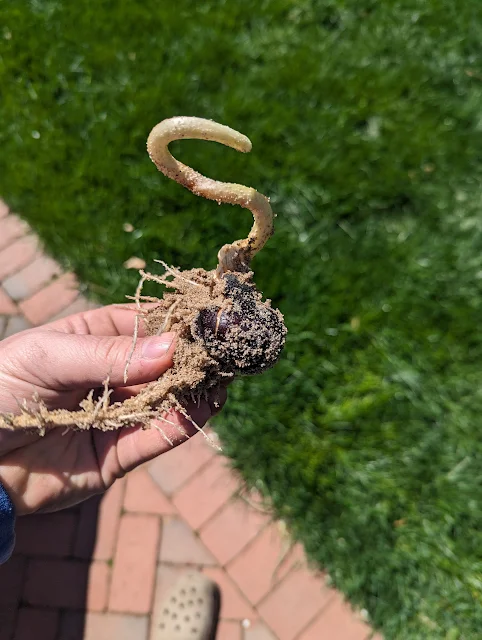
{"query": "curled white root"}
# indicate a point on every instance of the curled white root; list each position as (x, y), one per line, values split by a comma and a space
(238, 255)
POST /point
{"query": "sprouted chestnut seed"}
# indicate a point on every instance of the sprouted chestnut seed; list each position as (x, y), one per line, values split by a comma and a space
(249, 337)
(224, 327)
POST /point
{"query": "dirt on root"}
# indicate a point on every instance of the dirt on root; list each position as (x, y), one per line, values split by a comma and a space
(194, 373)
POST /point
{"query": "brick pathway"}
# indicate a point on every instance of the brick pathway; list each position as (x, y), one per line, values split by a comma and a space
(94, 572)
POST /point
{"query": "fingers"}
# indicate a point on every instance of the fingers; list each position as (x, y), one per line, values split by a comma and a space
(59, 361)
(11, 440)
(112, 320)
(134, 446)
(141, 446)
(122, 451)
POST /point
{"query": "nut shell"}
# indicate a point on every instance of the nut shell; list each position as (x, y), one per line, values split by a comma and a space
(248, 336)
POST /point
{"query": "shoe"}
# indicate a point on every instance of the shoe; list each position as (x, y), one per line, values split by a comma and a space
(190, 610)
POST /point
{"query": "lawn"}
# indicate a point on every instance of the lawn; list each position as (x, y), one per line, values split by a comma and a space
(366, 125)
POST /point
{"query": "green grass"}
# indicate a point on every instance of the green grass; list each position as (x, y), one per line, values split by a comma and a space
(366, 125)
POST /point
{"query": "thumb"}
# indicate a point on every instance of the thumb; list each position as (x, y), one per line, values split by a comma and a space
(70, 361)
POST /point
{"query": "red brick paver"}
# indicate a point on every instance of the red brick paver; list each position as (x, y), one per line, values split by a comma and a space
(234, 606)
(34, 535)
(259, 631)
(269, 553)
(37, 624)
(4, 210)
(229, 531)
(336, 623)
(13, 325)
(98, 571)
(99, 543)
(7, 306)
(206, 493)
(51, 300)
(229, 630)
(56, 583)
(98, 586)
(11, 228)
(31, 278)
(11, 582)
(114, 626)
(173, 469)
(134, 570)
(17, 255)
(144, 496)
(294, 603)
(181, 545)
(8, 619)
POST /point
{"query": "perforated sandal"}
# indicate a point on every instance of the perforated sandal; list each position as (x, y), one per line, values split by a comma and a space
(190, 611)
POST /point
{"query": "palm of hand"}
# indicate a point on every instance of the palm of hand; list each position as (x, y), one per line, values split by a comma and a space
(60, 469)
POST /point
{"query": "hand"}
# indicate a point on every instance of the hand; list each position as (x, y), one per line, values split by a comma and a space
(62, 362)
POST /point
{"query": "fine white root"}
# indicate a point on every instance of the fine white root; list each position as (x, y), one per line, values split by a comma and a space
(133, 346)
(156, 426)
(181, 430)
(143, 299)
(238, 255)
(184, 413)
(176, 273)
(165, 324)
(137, 299)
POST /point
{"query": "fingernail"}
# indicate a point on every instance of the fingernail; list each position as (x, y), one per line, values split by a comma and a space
(157, 346)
